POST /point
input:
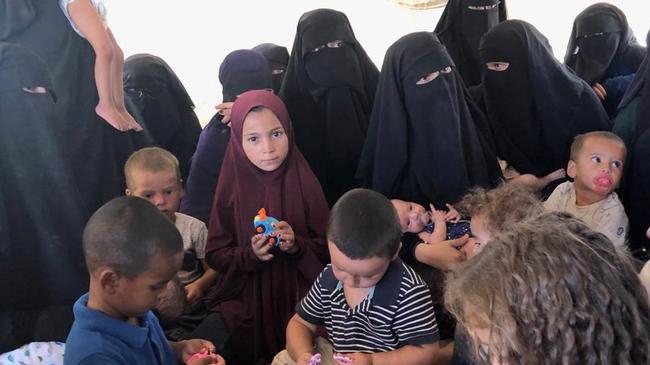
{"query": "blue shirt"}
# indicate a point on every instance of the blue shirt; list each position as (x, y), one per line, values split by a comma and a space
(96, 338)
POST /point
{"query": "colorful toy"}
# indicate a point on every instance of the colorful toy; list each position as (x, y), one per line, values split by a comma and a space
(315, 360)
(263, 225)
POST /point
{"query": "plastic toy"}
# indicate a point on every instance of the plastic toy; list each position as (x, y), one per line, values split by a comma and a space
(263, 225)
(315, 360)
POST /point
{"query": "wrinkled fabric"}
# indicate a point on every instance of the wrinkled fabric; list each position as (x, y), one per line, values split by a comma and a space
(537, 105)
(329, 92)
(257, 298)
(430, 142)
(162, 106)
(460, 28)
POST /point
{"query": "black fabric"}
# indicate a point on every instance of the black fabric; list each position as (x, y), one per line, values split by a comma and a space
(41, 210)
(95, 150)
(162, 106)
(430, 142)
(329, 93)
(240, 71)
(460, 29)
(15, 16)
(537, 105)
(278, 57)
(600, 38)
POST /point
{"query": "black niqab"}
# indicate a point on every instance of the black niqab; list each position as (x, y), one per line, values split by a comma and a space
(329, 91)
(162, 106)
(537, 105)
(601, 37)
(460, 29)
(278, 57)
(429, 142)
(41, 211)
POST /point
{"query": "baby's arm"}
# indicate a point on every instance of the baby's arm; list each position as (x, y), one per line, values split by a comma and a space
(300, 339)
(439, 233)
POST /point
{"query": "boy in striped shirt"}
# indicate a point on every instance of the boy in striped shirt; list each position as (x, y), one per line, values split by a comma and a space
(376, 309)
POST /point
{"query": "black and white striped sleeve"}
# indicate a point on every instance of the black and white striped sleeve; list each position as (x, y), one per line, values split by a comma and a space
(415, 320)
(312, 307)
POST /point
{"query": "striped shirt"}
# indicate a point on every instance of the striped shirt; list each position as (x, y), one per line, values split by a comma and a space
(396, 312)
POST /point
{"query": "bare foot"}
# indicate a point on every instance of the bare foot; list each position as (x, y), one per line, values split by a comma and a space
(112, 116)
(131, 122)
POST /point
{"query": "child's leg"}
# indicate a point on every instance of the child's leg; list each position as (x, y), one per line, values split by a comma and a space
(117, 85)
(85, 17)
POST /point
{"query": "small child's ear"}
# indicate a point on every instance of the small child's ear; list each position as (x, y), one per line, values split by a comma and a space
(128, 192)
(571, 169)
(109, 280)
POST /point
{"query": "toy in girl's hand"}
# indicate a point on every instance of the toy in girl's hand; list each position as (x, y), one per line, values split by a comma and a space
(342, 359)
(315, 360)
(200, 355)
(263, 225)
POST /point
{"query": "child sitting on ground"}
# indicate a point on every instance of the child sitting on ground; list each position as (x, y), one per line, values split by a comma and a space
(596, 167)
(430, 226)
(153, 173)
(131, 252)
(376, 309)
(87, 18)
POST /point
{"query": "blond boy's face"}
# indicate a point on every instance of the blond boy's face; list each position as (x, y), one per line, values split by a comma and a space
(161, 188)
(412, 216)
(598, 167)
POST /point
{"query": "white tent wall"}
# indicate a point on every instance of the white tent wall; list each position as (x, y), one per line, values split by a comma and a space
(194, 36)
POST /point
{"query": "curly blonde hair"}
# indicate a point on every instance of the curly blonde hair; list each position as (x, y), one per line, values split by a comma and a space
(501, 207)
(553, 291)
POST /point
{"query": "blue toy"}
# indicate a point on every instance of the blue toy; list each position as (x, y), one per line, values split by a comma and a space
(262, 224)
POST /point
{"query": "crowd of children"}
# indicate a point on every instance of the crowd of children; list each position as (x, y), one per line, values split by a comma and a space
(510, 264)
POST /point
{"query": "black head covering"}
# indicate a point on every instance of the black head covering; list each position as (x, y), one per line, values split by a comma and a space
(601, 37)
(643, 77)
(278, 58)
(41, 212)
(96, 151)
(426, 143)
(242, 70)
(162, 106)
(15, 16)
(460, 29)
(537, 105)
(329, 92)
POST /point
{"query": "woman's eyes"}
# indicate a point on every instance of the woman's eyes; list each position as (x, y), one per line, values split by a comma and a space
(497, 66)
(333, 44)
(432, 76)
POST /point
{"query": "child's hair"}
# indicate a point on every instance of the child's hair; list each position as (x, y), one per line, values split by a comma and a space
(553, 291)
(126, 233)
(580, 139)
(153, 159)
(364, 224)
(501, 207)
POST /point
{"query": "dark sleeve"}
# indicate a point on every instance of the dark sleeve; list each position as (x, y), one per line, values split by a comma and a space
(407, 252)
(311, 307)
(415, 320)
(615, 88)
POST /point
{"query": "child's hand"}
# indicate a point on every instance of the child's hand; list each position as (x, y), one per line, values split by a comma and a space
(452, 215)
(193, 291)
(261, 247)
(304, 359)
(284, 232)
(355, 358)
(437, 216)
(208, 360)
(225, 109)
(191, 347)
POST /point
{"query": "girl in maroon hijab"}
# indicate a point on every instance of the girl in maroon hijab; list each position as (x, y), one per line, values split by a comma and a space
(260, 283)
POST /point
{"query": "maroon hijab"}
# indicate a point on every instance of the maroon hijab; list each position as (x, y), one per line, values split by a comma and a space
(257, 298)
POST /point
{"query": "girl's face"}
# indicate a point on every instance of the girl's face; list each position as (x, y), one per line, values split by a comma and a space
(265, 142)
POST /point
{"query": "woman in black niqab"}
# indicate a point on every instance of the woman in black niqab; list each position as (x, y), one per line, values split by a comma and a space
(460, 29)
(602, 49)
(278, 57)
(329, 88)
(427, 141)
(162, 106)
(535, 105)
(41, 211)
(95, 150)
